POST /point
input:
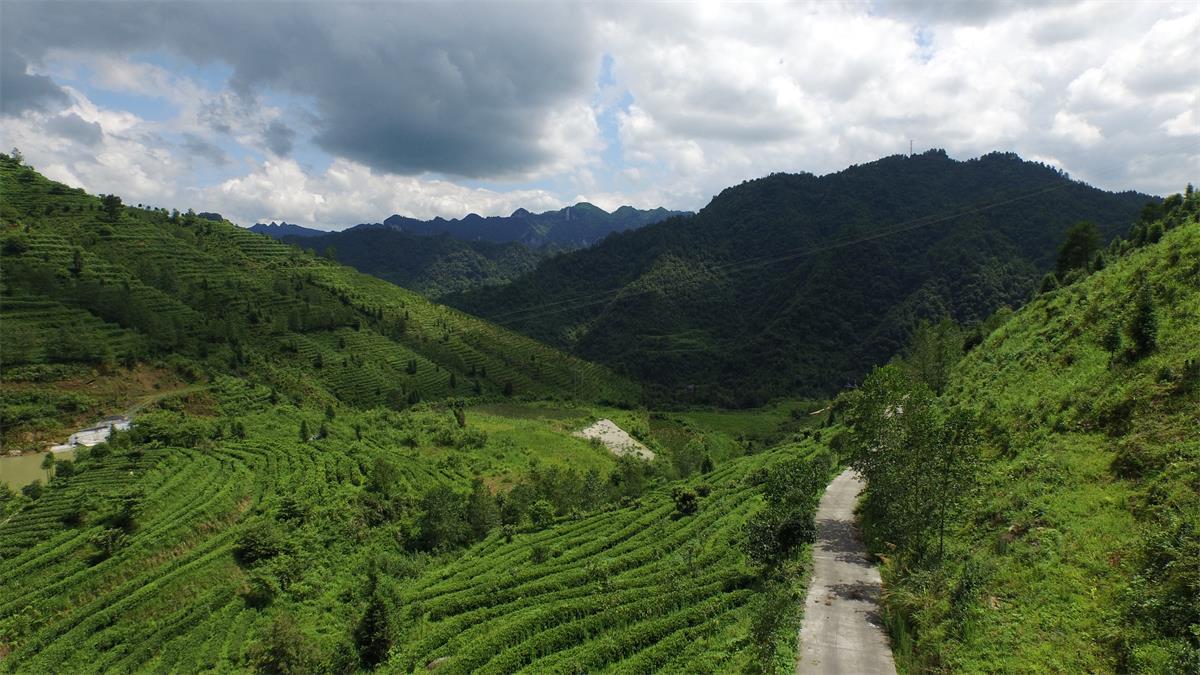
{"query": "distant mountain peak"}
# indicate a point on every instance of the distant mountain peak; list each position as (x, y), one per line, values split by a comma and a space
(581, 224)
(285, 229)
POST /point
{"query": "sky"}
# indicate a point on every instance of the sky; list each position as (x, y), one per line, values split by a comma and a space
(331, 114)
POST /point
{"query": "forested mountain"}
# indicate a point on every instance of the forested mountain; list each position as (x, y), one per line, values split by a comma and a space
(430, 264)
(1063, 454)
(285, 229)
(572, 227)
(798, 283)
(440, 256)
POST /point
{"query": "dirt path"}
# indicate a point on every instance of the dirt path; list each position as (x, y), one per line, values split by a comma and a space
(144, 401)
(842, 631)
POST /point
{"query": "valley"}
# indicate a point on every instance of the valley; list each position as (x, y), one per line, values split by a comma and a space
(327, 472)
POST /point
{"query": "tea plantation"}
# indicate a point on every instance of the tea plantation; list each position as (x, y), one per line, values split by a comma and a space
(328, 473)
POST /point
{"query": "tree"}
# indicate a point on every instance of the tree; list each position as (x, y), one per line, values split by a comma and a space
(76, 267)
(48, 465)
(541, 514)
(64, 468)
(508, 388)
(686, 501)
(441, 524)
(373, 634)
(482, 511)
(1082, 240)
(34, 490)
(304, 431)
(285, 649)
(260, 540)
(17, 156)
(933, 350)
(111, 205)
(1142, 328)
(917, 459)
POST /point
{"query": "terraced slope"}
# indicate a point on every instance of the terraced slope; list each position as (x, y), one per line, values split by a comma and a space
(94, 282)
(631, 590)
(130, 563)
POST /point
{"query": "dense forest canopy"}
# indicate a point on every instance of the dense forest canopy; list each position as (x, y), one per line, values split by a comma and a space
(794, 283)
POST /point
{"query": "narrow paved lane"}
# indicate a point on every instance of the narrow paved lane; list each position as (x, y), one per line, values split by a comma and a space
(842, 631)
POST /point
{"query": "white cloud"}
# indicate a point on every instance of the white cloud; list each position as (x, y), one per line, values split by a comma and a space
(738, 91)
(1075, 128)
(720, 93)
(119, 154)
(348, 193)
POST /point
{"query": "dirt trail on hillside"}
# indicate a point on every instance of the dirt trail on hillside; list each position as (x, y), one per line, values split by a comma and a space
(615, 439)
(842, 630)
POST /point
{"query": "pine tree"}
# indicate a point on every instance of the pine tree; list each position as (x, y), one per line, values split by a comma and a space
(1082, 240)
(303, 431)
(373, 633)
(1142, 328)
(76, 263)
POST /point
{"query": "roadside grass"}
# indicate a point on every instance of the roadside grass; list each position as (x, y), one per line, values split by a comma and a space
(1076, 551)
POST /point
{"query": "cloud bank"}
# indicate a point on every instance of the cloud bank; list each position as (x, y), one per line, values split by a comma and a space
(329, 114)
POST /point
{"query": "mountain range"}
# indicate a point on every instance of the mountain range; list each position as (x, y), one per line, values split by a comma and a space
(441, 256)
(795, 283)
(285, 229)
(572, 227)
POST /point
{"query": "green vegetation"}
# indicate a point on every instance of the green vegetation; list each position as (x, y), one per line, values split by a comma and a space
(183, 545)
(89, 281)
(329, 473)
(1074, 540)
(430, 264)
(796, 285)
(638, 588)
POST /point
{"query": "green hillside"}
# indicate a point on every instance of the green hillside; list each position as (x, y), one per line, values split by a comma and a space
(308, 485)
(106, 287)
(797, 284)
(1078, 548)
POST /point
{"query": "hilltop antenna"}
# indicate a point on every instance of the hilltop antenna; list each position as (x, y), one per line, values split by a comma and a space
(910, 147)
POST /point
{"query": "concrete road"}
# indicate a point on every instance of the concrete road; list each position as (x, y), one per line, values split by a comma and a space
(842, 631)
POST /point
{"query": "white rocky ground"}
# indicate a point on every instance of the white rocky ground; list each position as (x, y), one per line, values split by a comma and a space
(615, 439)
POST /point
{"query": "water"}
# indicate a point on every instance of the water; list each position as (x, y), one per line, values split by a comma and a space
(18, 471)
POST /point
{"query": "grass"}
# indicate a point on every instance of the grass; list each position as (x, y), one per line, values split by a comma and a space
(1073, 553)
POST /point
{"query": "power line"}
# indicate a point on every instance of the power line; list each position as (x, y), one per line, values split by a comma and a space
(746, 264)
(591, 299)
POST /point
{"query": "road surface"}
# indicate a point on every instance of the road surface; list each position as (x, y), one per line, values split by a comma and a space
(842, 632)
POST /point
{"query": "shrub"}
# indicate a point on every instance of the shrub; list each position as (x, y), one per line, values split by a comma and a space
(260, 540)
(1142, 328)
(261, 589)
(34, 490)
(285, 649)
(541, 514)
(687, 501)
